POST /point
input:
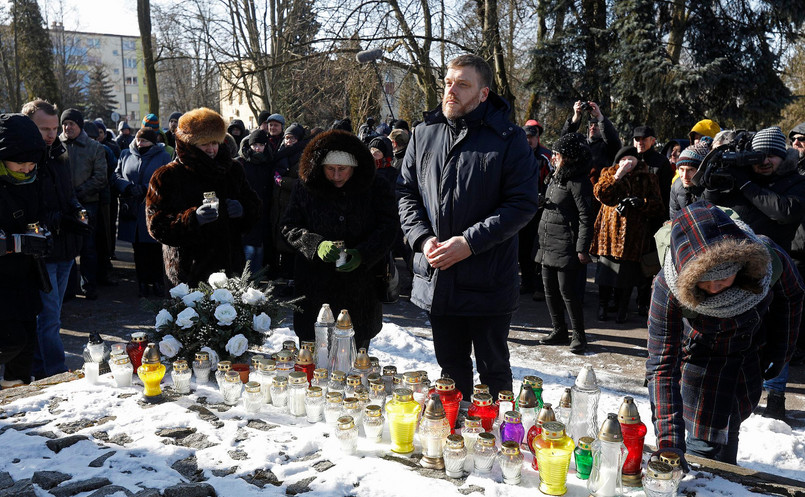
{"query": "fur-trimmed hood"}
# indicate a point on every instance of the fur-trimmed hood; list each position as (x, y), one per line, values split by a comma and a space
(704, 236)
(311, 170)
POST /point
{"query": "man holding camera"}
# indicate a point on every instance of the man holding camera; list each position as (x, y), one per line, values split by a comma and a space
(21, 147)
(602, 137)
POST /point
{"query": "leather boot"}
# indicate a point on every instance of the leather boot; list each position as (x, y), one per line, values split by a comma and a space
(775, 405)
(579, 343)
(557, 337)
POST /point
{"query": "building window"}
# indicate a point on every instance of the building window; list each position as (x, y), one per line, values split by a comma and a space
(115, 52)
(133, 98)
(130, 63)
(145, 98)
(93, 42)
(93, 61)
(116, 70)
(131, 80)
(129, 45)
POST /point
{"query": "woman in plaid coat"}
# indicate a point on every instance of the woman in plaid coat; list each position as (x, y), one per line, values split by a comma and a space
(725, 314)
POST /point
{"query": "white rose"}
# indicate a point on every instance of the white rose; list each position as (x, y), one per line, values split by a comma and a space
(237, 345)
(213, 356)
(223, 296)
(225, 314)
(179, 290)
(163, 318)
(185, 318)
(261, 323)
(191, 298)
(217, 280)
(252, 296)
(169, 346)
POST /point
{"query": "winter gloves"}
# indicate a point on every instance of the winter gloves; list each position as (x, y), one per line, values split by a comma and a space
(353, 261)
(234, 208)
(327, 251)
(635, 202)
(206, 213)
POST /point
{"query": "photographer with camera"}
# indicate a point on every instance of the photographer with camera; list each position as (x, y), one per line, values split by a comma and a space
(760, 182)
(602, 137)
(21, 147)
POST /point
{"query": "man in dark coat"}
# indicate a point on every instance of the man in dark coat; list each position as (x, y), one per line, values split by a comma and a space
(467, 186)
(725, 314)
(173, 123)
(256, 158)
(62, 217)
(530, 271)
(238, 131)
(200, 238)
(685, 191)
(21, 147)
(124, 136)
(340, 198)
(602, 137)
(797, 137)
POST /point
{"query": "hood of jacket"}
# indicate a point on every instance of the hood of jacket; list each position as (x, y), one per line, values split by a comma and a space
(495, 115)
(311, 168)
(152, 151)
(789, 164)
(799, 129)
(704, 236)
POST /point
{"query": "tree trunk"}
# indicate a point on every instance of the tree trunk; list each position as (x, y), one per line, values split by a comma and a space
(679, 18)
(144, 19)
(494, 51)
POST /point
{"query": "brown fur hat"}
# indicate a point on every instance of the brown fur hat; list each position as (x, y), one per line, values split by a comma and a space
(200, 126)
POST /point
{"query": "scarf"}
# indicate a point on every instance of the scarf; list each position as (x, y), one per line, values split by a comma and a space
(16, 178)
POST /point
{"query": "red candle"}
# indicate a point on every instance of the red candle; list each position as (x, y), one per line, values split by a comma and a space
(451, 399)
(483, 407)
(135, 349)
(634, 435)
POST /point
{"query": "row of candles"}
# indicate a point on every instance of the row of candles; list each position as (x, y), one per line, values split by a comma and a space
(607, 456)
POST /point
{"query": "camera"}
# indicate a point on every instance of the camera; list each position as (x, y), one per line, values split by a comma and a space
(715, 171)
(586, 107)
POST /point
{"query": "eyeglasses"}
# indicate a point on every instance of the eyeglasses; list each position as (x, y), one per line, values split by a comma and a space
(798, 139)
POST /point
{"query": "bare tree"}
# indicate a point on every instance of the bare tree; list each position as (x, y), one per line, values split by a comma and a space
(144, 20)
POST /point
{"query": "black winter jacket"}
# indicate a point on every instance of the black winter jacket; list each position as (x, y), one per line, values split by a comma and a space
(260, 175)
(603, 148)
(60, 204)
(566, 224)
(682, 197)
(474, 177)
(659, 165)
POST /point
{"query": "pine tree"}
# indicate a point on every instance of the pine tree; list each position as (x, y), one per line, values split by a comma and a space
(100, 95)
(34, 54)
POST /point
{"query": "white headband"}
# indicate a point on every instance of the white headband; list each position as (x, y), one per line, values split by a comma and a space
(341, 158)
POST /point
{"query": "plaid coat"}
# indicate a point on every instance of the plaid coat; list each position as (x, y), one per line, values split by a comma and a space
(699, 367)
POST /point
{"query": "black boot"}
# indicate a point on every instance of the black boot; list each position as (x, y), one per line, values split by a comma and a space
(557, 337)
(602, 313)
(579, 343)
(622, 297)
(775, 405)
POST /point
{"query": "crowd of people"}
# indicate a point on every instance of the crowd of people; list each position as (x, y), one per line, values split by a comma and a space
(480, 211)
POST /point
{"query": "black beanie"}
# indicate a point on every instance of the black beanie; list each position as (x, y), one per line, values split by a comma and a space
(74, 115)
(623, 152)
(296, 130)
(91, 129)
(263, 117)
(258, 136)
(147, 133)
(20, 139)
(574, 148)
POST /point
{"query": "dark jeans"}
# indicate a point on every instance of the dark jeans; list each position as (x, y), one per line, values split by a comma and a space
(454, 337)
(727, 452)
(17, 345)
(89, 253)
(562, 285)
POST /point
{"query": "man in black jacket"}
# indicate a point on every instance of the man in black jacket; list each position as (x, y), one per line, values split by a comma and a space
(602, 137)
(467, 186)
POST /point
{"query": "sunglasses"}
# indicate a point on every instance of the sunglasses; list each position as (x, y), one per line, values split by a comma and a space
(798, 139)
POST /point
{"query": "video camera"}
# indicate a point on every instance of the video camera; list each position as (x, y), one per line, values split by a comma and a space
(715, 171)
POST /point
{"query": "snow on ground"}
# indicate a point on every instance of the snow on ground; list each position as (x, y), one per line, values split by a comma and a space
(292, 447)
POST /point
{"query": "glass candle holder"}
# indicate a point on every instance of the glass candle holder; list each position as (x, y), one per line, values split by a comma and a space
(511, 462)
(314, 404)
(323, 329)
(375, 362)
(413, 382)
(472, 428)
(388, 374)
(135, 349)
(254, 363)
(512, 428)
(545, 415)
(672, 459)
(252, 397)
(352, 408)
(342, 350)
(284, 363)
(535, 384)
(362, 366)
(554, 449)
(451, 399)
(201, 368)
(333, 407)
(337, 381)
(377, 394)
(220, 373)
(353, 381)
(563, 409)
(455, 455)
(297, 386)
(121, 370)
(584, 458)
(151, 372)
(483, 408)
(92, 372)
(634, 436)
(659, 480)
(433, 430)
(373, 423)
(266, 375)
(609, 453)
(305, 361)
(320, 379)
(180, 374)
(584, 410)
(279, 392)
(483, 453)
(231, 388)
(505, 403)
(402, 412)
(347, 434)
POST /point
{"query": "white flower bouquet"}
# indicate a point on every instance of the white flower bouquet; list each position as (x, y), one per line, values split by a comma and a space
(225, 316)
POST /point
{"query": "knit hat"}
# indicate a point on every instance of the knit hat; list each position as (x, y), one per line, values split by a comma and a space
(721, 271)
(101, 126)
(91, 129)
(692, 156)
(400, 124)
(123, 125)
(643, 132)
(175, 115)
(20, 139)
(574, 148)
(151, 121)
(399, 136)
(146, 133)
(276, 117)
(74, 115)
(383, 144)
(258, 136)
(296, 130)
(706, 127)
(342, 124)
(340, 158)
(200, 126)
(623, 152)
(770, 141)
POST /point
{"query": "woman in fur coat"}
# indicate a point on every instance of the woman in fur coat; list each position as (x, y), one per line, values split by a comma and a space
(340, 198)
(199, 239)
(630, 195)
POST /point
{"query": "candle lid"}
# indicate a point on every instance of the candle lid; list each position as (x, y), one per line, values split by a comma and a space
(373, 411)
(346, 423)
(411, 378)
(308, 345)
(335, 397)
(527, 399)
(224, 366)
(361, 392)
(397, 379)
(374, 378)
(280, 380)
(297, 378)
(611, 429)
(445, 385)
(486, 439)
(209, 195)
(377, 387)
(670, 458)
(585, 442)
(151, 354)
(628, 413)
(202, 356)
(586, 379)
(389, 370)
(480, 388)
(403, 394)
(320, 373)
(337, 375)
(138, 337)
(472, 422)
(455, 441)
(180, 366)
(284, 355)
(566, 399)
(353, 380)
(374, 361)
(232, 376)
(252, 387)
(351, 403)
(482, 399)
(305, 357)
(256, 359)
(314, 392)
(434, 408)
(659, 470)
(362, 360)
(289, 345)
(505, 396)
(512, 417)
(510, 448)
(553, 430)
(268, 364)
(121, 360)
(325, 315)
(534, 381)
(344, 322)
(546, 414)
(95, 338)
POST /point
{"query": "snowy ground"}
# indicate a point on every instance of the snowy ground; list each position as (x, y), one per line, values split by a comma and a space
(231, 448)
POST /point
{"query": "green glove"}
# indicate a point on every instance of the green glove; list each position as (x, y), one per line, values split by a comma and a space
(327, 251)
(352, 263)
